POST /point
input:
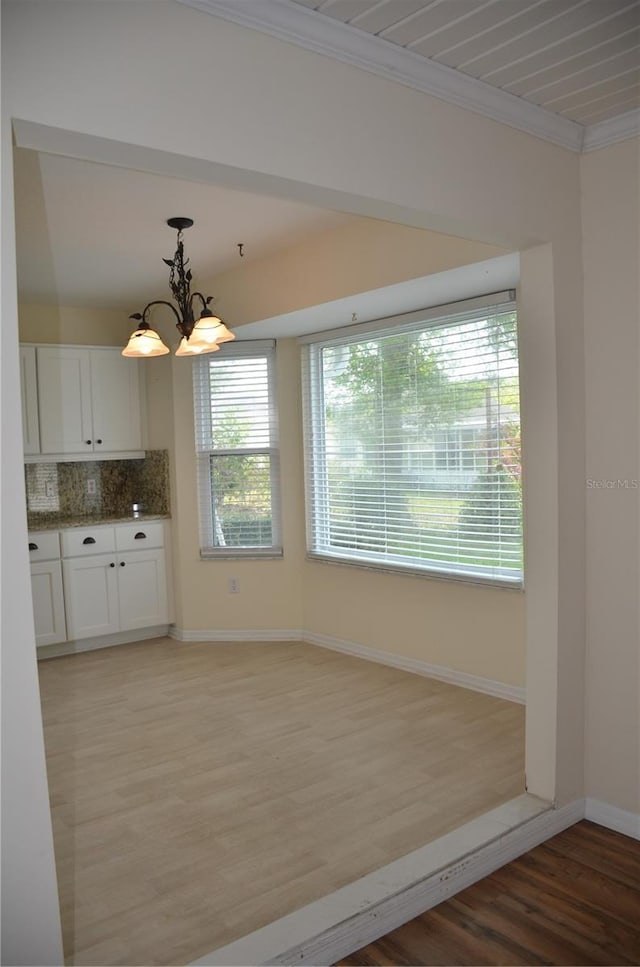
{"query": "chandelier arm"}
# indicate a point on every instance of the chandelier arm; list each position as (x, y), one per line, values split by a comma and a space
(203, 300)
(162, 302)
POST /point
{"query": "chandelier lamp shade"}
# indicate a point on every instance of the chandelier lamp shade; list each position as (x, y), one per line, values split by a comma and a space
(202, 336)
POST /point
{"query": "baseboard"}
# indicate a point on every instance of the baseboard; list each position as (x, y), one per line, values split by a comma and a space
(441, 673)
(511, 693)
(101, 641)
(361, 912)
(619, 820)
(253, 634)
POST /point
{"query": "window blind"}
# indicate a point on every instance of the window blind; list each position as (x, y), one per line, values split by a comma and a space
(412, 443)
(237, 449)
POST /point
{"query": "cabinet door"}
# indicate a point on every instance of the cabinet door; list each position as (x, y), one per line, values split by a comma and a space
(29, 395)
(48, 602)
(91, 595)
(64, 400)
(116, 401)
(142, 589)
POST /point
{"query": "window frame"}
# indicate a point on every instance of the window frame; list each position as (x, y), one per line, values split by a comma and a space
(315, 456)
(249, 349)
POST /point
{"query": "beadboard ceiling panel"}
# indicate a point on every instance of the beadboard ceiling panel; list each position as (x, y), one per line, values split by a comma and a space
(576, 58)
(593, 114)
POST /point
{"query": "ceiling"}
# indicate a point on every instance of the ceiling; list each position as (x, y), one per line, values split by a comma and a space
(95, 235)
(564, 70)
(576, 58)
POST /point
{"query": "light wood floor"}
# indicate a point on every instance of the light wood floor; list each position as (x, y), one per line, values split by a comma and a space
(573, 900)
(200, 791)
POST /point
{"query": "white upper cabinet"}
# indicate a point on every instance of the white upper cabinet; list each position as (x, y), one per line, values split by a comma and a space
(115, 389)
(29, 396)
(88, 400)
(64, 400)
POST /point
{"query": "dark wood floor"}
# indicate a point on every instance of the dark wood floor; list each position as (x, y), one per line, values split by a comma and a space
(574, 900)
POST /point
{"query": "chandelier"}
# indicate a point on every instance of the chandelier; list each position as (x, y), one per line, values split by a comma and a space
(204, 336)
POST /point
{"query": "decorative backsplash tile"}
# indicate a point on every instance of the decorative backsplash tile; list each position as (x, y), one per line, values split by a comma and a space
(96, 489)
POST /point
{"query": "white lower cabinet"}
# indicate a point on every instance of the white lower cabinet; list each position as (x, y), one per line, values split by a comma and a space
(48, 602)
(46, 588)
(111, 579)
(142, 589)
(106, 593)
(91, 596)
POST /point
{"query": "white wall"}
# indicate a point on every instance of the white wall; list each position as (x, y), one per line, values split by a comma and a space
(268, 116)
(30, 920)
(611, 252)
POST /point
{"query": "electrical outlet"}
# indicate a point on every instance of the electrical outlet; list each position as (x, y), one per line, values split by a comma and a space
(234, 586)
(91, 485)
(50, 488)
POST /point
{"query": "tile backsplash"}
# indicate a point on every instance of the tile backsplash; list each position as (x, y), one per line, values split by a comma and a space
(101, 488)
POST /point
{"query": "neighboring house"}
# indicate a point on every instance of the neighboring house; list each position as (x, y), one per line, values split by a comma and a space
(454, 456)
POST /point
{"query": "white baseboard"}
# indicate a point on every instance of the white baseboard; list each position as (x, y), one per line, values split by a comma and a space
(101, 641)
(278, 634)
(363, 911)
(488, 686)
(619, 820)
(511, 693)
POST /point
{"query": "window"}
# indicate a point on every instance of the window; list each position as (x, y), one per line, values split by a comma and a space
(412, 443)
(237, 449)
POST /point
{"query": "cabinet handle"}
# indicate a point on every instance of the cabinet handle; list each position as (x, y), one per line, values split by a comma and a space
(98, 441)
(122, 564)
(32, 546)
(89, 540)
(112, 564)
(88, 442)
(140, 536)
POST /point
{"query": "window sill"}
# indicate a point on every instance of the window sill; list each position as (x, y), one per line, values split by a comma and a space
(240, 553)
(430, 574)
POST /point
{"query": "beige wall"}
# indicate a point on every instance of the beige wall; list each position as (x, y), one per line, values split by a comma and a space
(475, 630)
(364, 255)
(611, 252)
(73, 325)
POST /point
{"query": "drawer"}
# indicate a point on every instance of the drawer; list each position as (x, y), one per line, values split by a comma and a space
(44, 546)
(137, 537)
(80, 541)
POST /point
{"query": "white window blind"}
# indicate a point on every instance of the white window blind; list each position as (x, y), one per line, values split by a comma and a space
(237, 448)
(412, 443)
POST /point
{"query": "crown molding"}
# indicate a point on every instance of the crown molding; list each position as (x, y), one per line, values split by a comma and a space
(321, 34)
(612, 130)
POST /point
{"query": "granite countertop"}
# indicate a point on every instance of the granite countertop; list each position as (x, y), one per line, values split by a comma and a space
(62, 523)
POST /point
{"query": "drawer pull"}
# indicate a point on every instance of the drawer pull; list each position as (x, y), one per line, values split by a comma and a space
(88, 442)
(89, 540)
(140, 536)
(122, 564)
(112, 564)
(32, 546)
